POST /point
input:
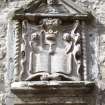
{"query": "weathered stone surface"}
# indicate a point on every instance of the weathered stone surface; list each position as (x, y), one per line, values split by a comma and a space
(43, 67)
(44, 92)
(97, 44)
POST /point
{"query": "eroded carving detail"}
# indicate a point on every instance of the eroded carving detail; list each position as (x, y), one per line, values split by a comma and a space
(73, 46)
(50, 31)
(52, 2)
(2, 52)
(23, 57)
(18, 35)
(84, 51)
(51, 52)
(35, 41)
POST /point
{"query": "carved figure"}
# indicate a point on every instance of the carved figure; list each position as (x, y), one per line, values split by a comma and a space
(35, 41)
(23, 56)
(77, 53)
(73, 46)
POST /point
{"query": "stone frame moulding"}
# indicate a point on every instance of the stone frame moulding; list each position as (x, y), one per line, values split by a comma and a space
(29, 12)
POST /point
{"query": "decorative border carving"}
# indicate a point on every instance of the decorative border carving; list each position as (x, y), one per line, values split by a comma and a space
(18, 35)
(84, 51)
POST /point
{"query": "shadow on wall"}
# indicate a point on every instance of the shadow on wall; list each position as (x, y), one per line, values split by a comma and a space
(92, 42)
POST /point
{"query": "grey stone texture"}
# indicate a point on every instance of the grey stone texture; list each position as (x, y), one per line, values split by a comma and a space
(95, 37)
(72, 93)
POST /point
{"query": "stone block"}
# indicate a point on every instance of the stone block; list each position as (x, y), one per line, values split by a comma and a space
(53, 92)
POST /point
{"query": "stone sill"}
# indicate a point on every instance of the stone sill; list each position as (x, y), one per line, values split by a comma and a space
(49, 86)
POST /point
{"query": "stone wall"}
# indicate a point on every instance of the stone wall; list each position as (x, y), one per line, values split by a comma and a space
(96, 37)
(3, 32)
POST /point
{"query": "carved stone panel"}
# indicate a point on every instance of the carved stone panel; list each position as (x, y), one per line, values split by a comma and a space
(51, 50)
(50, 43)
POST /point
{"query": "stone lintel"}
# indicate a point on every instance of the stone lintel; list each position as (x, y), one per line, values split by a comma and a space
(65, 17)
